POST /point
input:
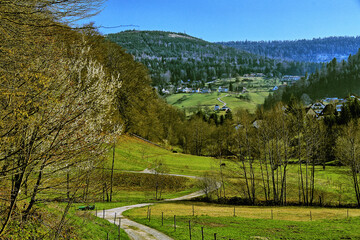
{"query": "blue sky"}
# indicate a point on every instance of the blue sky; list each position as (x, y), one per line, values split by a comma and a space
(231, 20)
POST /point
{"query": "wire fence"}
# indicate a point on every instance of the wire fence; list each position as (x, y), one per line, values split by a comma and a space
(194, 227)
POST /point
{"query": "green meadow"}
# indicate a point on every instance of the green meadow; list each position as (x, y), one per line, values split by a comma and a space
(132, 154)
(250, 222)
(333, 184)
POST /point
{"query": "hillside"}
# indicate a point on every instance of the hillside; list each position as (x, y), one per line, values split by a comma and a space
(335, 79)
(176, 58)
(246, 93)
(315, 50)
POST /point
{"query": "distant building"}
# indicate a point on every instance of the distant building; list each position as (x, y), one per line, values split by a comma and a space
(206, 91)
(290, 79)
(257, 123)
(275, 88)
(187, 90)
(318, 107)
(225, 108)
(221, 89)
(165, 91)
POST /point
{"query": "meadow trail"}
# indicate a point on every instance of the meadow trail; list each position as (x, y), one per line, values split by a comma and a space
(137, 231)
(219, 99)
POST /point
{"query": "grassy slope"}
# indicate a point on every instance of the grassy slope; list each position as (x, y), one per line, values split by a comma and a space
(251, 222)
(332, 184)
(133, 154)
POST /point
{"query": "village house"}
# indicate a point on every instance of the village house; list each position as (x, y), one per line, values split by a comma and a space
(224, 90)
(225, 108)
(206, 91)
(165, 91)
(310, 112)
(288, 79)
(318, 107)
(187, 90)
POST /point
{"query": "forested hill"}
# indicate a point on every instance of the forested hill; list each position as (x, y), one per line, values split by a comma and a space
(175, 57)
(315, 50)
(335, 79)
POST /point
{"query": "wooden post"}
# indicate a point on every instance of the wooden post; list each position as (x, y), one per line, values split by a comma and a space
(103, 213)
(234, 212)
(310, 216)
(193, 210)
(190, 229)
(272, 214)
(149, 214)
(214, 236)
(115, 218)
(95, 212)
(162, 218)
(107, 236)
(119, 228)
(202, 233)
(174, 222)
(347, 213)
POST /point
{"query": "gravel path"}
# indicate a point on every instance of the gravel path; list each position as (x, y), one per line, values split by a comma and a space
(219, 99)
(137, 231)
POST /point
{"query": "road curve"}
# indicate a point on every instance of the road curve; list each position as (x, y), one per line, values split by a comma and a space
(137, 231)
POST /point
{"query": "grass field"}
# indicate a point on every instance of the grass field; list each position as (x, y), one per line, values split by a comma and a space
(133, 154)
(251, 222)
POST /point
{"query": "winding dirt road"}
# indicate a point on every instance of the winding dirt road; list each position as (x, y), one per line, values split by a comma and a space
(137, 231)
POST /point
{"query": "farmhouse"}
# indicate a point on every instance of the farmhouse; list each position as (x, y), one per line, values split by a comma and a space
(206, 91)
(225, 108)
(225, 90)
(288, 79)
(318, 107)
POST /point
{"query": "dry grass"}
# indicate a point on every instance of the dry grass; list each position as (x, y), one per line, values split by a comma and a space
(278, 213)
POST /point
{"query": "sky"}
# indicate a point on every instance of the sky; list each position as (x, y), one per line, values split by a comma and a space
(234, 20)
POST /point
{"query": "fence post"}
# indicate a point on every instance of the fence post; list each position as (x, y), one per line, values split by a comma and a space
(103, 213)
(190, 229)
(162, 218)
(193, 210)
(149, 214)
(234, 212)
(107, 236)
(115, 218)
(202, 233)
(95, 212)
(310, 216)
(119, 228)
(214, 236)
(347, 213)
(174, 222)
(272, 214)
